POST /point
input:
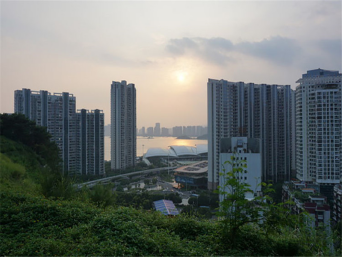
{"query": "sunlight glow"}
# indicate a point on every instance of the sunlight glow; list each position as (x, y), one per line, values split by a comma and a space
(181, 76)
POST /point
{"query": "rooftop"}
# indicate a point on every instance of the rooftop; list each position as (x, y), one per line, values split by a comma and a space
(197, 168)
(166, 207)
(177, 151)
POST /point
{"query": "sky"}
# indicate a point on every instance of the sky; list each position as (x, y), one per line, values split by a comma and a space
(167, 49)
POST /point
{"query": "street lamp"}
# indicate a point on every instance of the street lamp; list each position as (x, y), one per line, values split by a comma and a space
(168, 161)
(142, 159)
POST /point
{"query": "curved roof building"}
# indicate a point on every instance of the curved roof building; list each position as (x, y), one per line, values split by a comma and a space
(178, 151)
(181, 150)
(159, 152)
(202, 149)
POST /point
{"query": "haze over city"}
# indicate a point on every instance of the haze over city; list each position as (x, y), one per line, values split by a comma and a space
(167, 49)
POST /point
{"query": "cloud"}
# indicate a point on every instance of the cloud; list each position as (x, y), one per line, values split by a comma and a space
(220, 43)
(179, 46)
(332, 47)
(279, 50)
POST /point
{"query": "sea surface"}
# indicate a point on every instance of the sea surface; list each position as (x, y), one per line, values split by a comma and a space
(144, 143)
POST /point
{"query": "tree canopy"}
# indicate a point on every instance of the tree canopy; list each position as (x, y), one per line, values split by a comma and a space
(20, 129)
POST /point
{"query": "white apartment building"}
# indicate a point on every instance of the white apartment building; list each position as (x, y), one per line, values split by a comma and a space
(243, 151)
(319, 127)
(236, 109)
(123, 125)
(56, 112)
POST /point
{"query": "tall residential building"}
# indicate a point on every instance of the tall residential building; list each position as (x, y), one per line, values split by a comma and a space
(142, 131)
(177, 131)
(236, 109)
(123, 121)
(200, 131)
(319, 127)
(56, 112)
(149, 131)
(157, 129)
(164, 132)
(90, 139)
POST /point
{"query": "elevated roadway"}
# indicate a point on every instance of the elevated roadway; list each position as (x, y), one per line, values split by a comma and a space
(112, 178)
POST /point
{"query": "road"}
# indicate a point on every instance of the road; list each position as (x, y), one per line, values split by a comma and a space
(169, 187)
(109, 179)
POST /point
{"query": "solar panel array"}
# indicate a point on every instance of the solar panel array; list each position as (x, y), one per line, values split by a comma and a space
(166, 207)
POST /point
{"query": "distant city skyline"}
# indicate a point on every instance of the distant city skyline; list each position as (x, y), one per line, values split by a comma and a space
(169, 49)
(173, 131)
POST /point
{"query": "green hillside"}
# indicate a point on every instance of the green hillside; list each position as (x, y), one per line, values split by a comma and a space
(42, 214)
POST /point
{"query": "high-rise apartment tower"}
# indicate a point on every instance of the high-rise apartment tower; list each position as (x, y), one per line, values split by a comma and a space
(57, 112)
(90, 139)
(264, 112)
(157, 129)
(319, 127)
(123, 125)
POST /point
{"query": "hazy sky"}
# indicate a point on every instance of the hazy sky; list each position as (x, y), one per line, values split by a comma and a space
(167, 49)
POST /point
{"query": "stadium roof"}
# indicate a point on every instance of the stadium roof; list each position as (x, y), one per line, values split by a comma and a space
(166, 207)
(159, 152)
(177, 151)
(183, 150)
(202, 149)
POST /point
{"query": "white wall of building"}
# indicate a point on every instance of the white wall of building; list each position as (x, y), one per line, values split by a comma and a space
(243, 156)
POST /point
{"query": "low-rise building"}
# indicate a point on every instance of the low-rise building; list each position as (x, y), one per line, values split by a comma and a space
(306, 197)
(241, 152)
(195, 175)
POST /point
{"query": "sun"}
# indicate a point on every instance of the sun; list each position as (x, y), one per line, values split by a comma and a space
(181, 77)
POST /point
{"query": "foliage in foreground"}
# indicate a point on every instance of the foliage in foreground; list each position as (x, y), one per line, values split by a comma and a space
(42, 214)
(18, 128)
(34, 225)
(236, 211)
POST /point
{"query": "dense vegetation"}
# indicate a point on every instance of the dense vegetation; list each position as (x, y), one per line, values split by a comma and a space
(43, 214)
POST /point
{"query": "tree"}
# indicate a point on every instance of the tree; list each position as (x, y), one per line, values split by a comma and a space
(235, 210)
(20, 129)
(56, 184)
(193, 200)
(204, 212)
(337, 231)
(102, 195)
(174, 198)
(119, 188)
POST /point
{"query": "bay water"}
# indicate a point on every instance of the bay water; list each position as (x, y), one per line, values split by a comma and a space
(144, 143)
